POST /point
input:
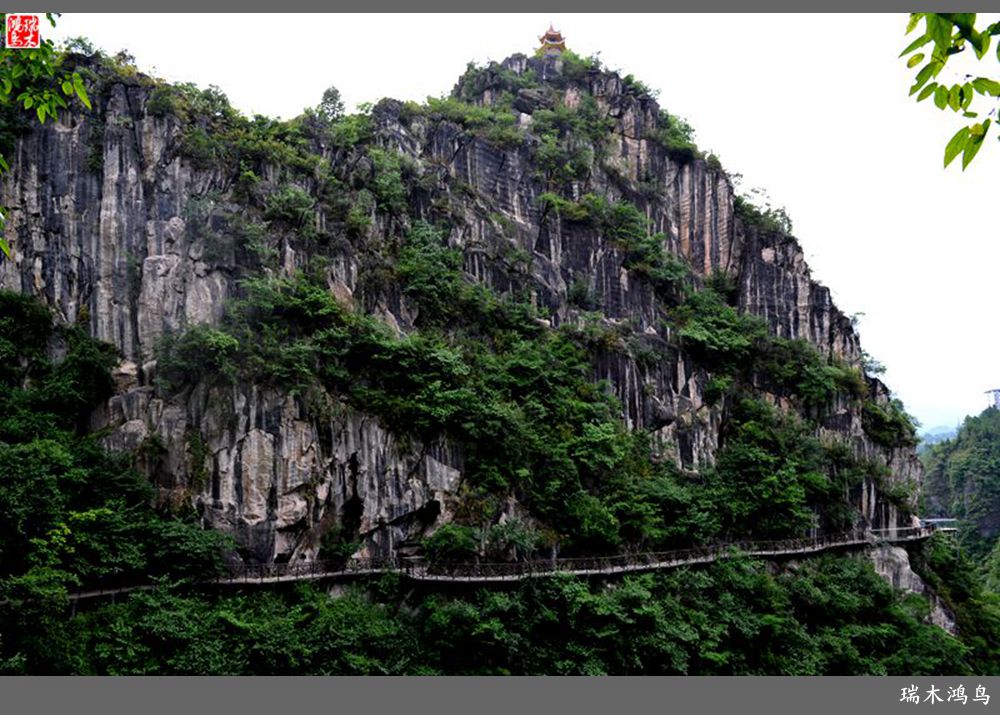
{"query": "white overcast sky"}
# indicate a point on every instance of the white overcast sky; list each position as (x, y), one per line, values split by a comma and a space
(812, 108)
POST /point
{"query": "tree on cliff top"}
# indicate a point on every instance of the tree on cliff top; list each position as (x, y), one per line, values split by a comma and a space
(35, 80)
(331, 108)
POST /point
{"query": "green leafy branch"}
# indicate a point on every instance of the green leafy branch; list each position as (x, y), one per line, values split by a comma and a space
(951, 34)
(35, 80)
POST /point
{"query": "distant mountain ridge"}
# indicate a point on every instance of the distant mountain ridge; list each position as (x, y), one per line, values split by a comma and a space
(936, 435)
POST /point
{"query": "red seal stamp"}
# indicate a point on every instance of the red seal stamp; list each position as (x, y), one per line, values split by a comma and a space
(22, 32)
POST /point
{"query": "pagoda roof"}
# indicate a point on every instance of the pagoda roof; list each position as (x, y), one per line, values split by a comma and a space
(551, 35)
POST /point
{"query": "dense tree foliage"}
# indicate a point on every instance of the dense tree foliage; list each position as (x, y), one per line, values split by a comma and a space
(74, 514)
(963, 481)
(832, 615)
(955, 577)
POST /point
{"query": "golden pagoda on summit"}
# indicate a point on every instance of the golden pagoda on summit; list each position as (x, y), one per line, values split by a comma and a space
(553, 43)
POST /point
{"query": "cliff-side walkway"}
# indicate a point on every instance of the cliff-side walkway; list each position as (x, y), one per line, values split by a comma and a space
(486, 572)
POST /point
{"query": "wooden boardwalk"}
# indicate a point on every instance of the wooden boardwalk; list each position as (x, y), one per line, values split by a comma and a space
(506, 572)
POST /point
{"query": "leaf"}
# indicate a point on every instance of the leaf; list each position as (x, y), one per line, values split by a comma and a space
(67, 87)
(81, 90)
(955, 97)
(912, 23)
(956, 145)
(971, 149)
(968, 93)
(984, 85)
(40, 110)
(941, 97)
(939, 30)
(927, 91)
(29, 102)
(915, 60)
(4, 248)
(919, 42)
(965, 21)
(985, 40)
(976, 142)
(977, 42)
(925, 74)
(970, 115)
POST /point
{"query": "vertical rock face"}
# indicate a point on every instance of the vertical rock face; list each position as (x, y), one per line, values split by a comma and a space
(893, 564)
(775, 284)
(115, 226)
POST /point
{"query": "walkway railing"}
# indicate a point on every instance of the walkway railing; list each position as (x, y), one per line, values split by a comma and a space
(485, 571)
(490, 572)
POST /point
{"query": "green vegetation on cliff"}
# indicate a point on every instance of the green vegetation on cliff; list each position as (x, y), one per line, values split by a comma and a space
(80, 514)
(481, 368)
(478, 367)
(74, 514)
(948, 569)
(521, 402)
(963, 481)
(831, 615)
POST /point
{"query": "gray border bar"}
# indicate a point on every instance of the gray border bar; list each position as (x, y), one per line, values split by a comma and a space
(483, 696)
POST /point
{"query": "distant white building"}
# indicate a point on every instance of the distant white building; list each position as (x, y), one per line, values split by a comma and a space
(994, 397)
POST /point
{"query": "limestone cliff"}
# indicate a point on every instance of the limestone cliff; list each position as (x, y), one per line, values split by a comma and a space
(118, 223)
(893, 564)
